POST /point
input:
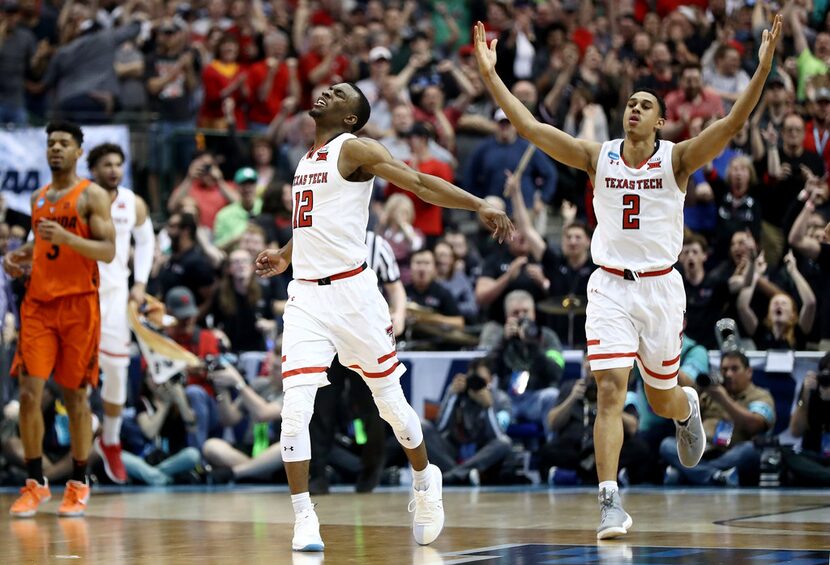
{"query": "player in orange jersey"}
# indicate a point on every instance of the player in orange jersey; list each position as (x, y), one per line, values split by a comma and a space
(60, 320)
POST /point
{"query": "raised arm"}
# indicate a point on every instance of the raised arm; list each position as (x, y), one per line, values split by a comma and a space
(373, 158)
(798, 239)
(512, 186)
(568, 150)
(807, 314)
(690, 155)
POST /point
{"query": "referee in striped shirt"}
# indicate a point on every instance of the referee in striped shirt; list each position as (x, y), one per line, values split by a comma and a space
(323, 424)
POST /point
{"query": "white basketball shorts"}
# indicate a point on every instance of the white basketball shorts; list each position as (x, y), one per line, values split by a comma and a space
(636, 319)
(115, 329)
(348, 317)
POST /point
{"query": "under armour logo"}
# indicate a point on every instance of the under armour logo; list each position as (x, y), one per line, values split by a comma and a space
(288, 448)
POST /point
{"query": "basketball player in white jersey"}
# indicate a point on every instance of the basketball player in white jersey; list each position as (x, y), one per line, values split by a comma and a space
(334, 303)
(129, 214)
(636, 300)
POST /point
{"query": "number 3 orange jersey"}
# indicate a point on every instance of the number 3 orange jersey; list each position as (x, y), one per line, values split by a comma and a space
(59, 270)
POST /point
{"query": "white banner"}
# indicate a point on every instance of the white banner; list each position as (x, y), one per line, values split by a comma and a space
(24, 168)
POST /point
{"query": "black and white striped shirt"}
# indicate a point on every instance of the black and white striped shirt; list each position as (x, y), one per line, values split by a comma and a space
(382, 259)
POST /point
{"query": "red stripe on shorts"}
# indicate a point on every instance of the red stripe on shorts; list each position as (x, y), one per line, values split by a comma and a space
(107, 353)
(651, 373)
(598, 356)
(592, 342)
(382, 374)
(303, 371)
(387, 357)
(671, 362)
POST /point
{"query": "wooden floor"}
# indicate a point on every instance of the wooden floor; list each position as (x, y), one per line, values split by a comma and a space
(244, 525)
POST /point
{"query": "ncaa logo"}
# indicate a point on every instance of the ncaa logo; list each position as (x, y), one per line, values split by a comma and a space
(614, 157)
(41, 202)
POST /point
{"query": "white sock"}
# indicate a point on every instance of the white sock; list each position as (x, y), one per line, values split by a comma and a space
(301, 503)
(420, 479)
(112, 429)
(610, 486)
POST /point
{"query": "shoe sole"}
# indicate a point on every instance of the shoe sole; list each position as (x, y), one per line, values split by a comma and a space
(310, 547)
(100, 451)
(28, 513)
(76, 514)
(440, 480)
(699, 429)
(616, 531)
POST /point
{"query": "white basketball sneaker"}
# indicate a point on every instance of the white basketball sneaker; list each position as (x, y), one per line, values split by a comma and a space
(429, 510)
(307, 533)
(691, 438)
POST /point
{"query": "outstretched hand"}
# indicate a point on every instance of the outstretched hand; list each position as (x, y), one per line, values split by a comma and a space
(270, 263)
(769, 40)
(485, 55)
(497, 221)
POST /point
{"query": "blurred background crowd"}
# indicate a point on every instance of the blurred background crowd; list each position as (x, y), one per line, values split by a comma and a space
(216, 93)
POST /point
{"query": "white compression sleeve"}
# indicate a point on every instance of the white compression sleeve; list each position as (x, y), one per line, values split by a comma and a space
(145, 247)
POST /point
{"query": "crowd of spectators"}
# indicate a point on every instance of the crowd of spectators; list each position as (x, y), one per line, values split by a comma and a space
(223, 88)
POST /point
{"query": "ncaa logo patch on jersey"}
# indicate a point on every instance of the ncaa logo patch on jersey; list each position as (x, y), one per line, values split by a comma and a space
(41, 202)
(614, 157)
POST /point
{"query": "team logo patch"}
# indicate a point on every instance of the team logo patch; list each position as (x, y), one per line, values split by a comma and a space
(122, 205)
(323, 154)
(654, 164)
(390, 331)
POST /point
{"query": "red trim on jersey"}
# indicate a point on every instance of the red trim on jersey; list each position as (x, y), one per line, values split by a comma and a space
(382, 374)
(303, 371)
(662, 377)
(600, 356)
(110, 354)
(620, 273)
(647, 159)
(592, 342)
(387, 357)
(671, 362)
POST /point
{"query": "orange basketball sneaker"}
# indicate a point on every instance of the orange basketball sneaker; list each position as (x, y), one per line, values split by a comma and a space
(75, 498)
(31, 496)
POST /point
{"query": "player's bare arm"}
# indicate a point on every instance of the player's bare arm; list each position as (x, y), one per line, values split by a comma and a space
(95, 206)
(565, 149)
(688, 156)
(372, 158)
(145, 247)
(273, 262)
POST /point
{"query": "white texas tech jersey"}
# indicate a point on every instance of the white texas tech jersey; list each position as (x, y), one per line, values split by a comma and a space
(117, 273)
(639, 210)
(329, 216)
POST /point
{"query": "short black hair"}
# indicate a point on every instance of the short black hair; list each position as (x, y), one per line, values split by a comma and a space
(736, 354)
(71, 128)
(188, 223)
(362, 110)
(660, 102)
(100, 151)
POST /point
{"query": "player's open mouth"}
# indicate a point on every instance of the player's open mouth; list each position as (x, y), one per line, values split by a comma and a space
(320, 102)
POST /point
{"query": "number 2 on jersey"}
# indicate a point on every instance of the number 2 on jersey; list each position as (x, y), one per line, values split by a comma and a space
(303, 203)
(631, 204)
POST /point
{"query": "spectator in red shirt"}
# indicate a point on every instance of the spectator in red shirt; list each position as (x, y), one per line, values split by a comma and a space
(817, 132)
(249, 23)
(443, 119)
(689, 102)
(428, 217)
(205, 183)
(223, 79)
(323, 63)
(271, 81)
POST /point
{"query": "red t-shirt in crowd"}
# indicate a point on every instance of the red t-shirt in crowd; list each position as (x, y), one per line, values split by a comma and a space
(311, 61)
(215, 78)
(263, 111)
(209, 199)
(428, 217)
(818, 141)
(707, 104)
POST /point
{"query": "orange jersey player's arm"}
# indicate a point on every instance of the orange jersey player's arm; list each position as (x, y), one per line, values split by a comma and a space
(94, 206)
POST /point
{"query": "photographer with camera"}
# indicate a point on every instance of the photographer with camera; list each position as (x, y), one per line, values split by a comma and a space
(469, 438)
(810, 421)
(528, 359)
(734, 412)
(572, 422)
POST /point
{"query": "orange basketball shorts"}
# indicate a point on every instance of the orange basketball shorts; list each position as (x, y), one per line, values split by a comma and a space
(60, 337)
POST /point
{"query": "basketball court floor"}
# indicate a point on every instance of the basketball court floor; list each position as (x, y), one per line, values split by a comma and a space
(491, 526)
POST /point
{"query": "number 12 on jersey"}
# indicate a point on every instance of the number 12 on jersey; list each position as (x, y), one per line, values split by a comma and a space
(303, 203)
(631, 209)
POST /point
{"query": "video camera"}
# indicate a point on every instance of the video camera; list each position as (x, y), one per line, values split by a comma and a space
(728, 338)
